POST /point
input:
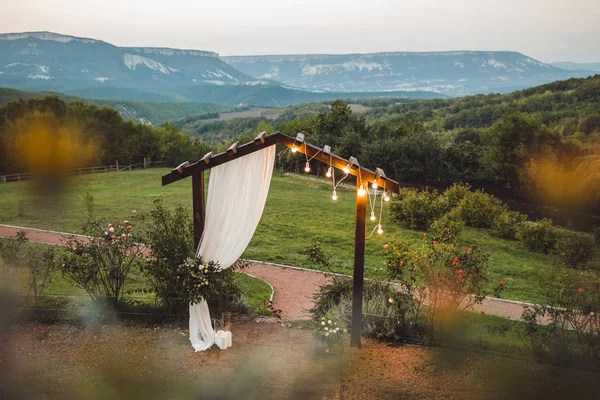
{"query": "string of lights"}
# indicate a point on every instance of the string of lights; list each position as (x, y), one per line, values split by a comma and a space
(362, 191)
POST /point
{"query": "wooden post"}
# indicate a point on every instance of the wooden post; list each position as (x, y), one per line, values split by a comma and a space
(144, 162)
(117, 165)
(359, 266)
(198, 206)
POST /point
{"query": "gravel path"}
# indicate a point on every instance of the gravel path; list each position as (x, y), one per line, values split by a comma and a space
(294, 287)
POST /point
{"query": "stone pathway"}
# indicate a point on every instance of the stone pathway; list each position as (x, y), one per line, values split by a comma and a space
(294, 287)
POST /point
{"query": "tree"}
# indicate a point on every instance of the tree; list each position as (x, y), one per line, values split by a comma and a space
(511, 142)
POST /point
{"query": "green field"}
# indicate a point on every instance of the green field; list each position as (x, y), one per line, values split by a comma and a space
(297, 213)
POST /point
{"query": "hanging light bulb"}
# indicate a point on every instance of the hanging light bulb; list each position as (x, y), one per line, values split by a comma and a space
(346, 169)
(374, 185)
(379, 229)
(361, 191)
(334, 196)
(294, 149)
(372, 216)
(328, 174)
(307, 167)
(386, 197)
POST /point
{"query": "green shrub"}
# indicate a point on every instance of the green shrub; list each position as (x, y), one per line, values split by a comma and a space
(540, 236)
(574, 249)
(317, 255)
(507, 223)
(597, 235)
(452, 196)
(447, 228)
(170, 234)
(387, 313)
(415, 209)
(479, 209)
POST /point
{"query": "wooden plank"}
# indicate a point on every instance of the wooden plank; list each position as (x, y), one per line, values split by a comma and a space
(358, 275)
(279, 138)
(219, 159)
(340, 163)
(198, 203)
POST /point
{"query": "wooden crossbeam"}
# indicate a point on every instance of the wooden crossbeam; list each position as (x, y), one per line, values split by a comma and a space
(363, 174)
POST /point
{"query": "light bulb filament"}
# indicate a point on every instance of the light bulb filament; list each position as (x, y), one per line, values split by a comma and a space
(334, 196)
(294, 149)
(379, 229)
(307, 167)
(328, 174)
(372, 216)
(361, 191)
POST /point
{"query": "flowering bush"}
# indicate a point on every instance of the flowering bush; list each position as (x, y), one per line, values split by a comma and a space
(330, 330)
(100, 265)
(446, 277)
(573, 303)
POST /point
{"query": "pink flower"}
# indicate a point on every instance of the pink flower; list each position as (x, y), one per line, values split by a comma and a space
(105, 233)
(502, 284)
(386, 246)
(455, 260)
(74, 249)
(129, 234)
(460, 271)
(112, 237)
(109, 225)
(133, 211)
(123, 236)
(434, 242)
(469, 250)
(129, 227)
(126, 222)
(424, 235)
(580, 290)
(111, 229)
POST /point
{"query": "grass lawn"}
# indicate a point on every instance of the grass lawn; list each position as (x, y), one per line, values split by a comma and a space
(297, 213)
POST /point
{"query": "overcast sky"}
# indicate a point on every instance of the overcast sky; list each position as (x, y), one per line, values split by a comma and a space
(549, 30)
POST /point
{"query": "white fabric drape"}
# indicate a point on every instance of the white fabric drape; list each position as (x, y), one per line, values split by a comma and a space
(237, 193)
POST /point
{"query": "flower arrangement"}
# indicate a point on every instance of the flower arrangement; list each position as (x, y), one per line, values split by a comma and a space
(331, 331)
(197, 278)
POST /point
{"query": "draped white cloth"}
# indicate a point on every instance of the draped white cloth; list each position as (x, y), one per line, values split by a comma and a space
(237, 193)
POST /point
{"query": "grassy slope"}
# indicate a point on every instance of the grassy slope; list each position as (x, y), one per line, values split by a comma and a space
(297, 213)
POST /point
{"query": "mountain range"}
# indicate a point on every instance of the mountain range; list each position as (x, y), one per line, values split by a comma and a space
(84, 67)
(452, 73)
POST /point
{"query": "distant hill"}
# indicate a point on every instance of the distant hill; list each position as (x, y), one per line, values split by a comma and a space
(45, 61)
(140, 111)
(452, 73)
(573, 66)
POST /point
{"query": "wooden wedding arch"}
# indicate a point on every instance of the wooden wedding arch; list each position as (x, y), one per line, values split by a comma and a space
(365, 177)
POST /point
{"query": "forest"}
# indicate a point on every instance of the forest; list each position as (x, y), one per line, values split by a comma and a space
(541, 144)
